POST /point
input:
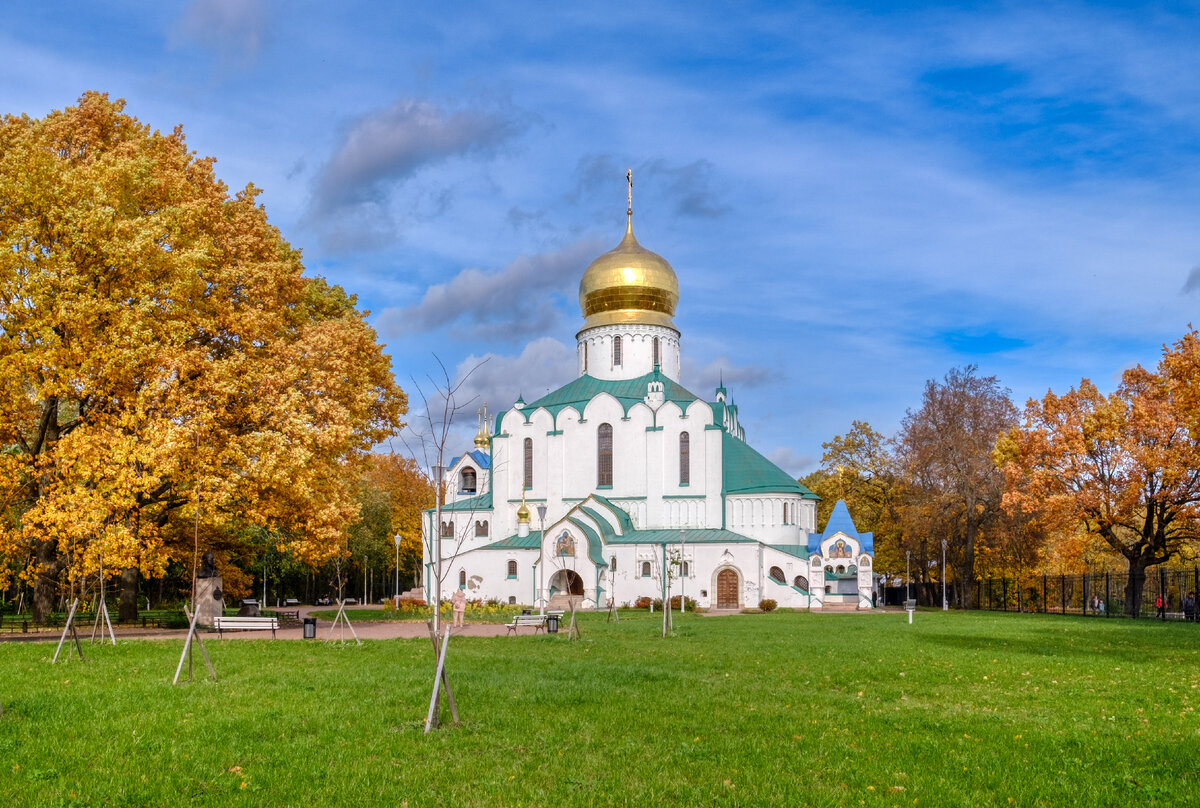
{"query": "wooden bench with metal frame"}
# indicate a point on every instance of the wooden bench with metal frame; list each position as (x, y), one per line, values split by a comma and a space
(534, 621)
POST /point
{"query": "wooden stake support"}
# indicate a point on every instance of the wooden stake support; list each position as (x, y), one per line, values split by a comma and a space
(440, 681)
(187, 649)
(342, 620)
(102, 609)
(70, 626)
(573, 628)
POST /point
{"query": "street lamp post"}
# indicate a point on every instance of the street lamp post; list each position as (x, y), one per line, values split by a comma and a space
(907, 577)
(541, 509)
(945, 606)
(396, 538)
(438, 472)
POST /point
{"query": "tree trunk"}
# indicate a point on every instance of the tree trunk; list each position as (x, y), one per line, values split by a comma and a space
(967, 567)
(128, 610)
(1134, 586)
(46, 586)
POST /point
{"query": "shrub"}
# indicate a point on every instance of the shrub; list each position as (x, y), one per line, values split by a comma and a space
(767, 605)
(643, 602)
(691, 604)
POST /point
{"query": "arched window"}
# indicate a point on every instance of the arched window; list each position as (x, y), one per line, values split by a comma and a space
(462, 579)
(840, 569)
(616, 351)
(645, 569)
(801, 582)
(685, 458)
(785, 513)
(685, 569)
(448, 529)
(481, 527)
(612, 564)
(657, 357)
(777, 575)
(528, 463)
(512, 569)
(466, 479)
(585, 353)
(604, 455)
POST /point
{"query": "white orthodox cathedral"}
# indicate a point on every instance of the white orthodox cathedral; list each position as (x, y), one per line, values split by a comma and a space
(622, 483)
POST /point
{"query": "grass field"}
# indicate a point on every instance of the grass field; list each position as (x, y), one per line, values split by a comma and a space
(959, 709)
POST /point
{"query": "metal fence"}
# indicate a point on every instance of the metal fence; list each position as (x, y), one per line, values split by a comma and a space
(1099, 594)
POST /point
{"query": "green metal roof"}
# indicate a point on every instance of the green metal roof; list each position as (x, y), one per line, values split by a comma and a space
(594, 543)
(606, 531)
(797, 550)
(627, 391)
(622, 516)
(483, 502)
(690, 536)
(748, 472)
(529, 542)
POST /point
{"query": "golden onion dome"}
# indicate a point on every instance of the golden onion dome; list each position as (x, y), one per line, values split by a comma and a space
(629, 284)
(523, 511)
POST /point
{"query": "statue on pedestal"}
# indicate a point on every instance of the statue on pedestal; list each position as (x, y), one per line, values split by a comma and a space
(210, 599)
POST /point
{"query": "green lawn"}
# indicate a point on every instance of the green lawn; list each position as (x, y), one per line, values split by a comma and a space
(959, 709)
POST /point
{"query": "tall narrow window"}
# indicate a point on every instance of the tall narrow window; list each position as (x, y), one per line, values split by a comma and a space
(616, 351)
(685, 458)
(785, 513)
(512, 569)
(645, 569)
(604, 455)
(585, 353)
(462, 579)
(528, 464)
(657, 358)
(612, 564)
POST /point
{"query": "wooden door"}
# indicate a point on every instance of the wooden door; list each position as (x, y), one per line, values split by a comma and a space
(727, 589)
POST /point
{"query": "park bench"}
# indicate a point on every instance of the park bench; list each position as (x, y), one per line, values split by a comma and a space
(288, 616)
(534, 621)
(290, 602)
(222, 623)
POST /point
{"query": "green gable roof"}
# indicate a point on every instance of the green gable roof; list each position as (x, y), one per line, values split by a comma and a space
(747, 472)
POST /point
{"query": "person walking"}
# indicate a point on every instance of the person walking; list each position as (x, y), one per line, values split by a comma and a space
(1189, 607)
(458, 602)
(1160, 604)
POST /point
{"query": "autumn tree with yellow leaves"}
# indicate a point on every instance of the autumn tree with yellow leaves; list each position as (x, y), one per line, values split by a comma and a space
(1124, 467)
(160, 346)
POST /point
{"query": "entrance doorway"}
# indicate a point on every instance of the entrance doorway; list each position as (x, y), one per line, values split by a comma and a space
(568, 582)
(727, 589)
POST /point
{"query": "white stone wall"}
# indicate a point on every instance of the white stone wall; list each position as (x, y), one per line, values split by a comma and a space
(595, 351)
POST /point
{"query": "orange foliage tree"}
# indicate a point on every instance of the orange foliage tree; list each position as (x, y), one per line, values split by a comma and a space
(160, 344)
(392, 494)
(1126, 466)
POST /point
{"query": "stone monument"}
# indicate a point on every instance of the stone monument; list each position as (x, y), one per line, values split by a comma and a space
(210, 598)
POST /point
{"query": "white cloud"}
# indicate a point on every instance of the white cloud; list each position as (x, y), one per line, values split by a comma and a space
(352, 194)
(509, 305)
(235, 29)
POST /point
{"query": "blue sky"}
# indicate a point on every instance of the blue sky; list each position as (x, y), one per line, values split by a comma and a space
(856, 198)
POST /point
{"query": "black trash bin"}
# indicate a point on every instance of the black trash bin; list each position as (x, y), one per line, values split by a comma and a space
(552, 623)
(310, 628)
